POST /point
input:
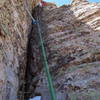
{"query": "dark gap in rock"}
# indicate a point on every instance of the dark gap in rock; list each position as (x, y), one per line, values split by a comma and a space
(34, 63)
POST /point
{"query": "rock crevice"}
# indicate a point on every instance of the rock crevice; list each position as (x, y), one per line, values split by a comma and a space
(71, 35)
(72, 50)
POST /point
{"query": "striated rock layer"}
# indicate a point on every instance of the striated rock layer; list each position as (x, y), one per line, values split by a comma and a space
(72, 40)
(71, 36)
(14, 28)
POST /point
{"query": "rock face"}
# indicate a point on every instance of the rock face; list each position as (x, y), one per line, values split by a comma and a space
(14, 26)
(71, 36)
(72, 40)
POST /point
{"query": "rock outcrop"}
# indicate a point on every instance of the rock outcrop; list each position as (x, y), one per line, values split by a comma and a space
(14, 27)
(72, 39)
(71, 36)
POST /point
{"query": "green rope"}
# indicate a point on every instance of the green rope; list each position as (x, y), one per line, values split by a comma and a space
(50, 83)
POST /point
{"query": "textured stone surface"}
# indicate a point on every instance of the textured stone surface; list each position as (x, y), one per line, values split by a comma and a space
(2, 2)
(14, 25)
(72, 40)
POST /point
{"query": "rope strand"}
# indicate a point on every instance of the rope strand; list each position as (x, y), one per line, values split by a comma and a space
(50, 82)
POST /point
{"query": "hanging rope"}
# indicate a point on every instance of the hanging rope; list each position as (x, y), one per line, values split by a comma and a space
(26, 7)
(50, 83)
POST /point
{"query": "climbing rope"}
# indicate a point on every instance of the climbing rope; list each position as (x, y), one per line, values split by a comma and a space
(50, 83)
(26, 7)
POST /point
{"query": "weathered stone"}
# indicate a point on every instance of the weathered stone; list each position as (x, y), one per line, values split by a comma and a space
(71, 36)
(14, 27)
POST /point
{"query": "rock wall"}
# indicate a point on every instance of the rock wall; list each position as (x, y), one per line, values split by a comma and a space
(71, 36)
(14, 28)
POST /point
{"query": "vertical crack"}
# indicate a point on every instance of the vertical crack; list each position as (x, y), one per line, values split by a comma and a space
(34, 64)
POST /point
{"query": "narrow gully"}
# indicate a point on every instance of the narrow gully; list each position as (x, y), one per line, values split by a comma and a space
(34, 63)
